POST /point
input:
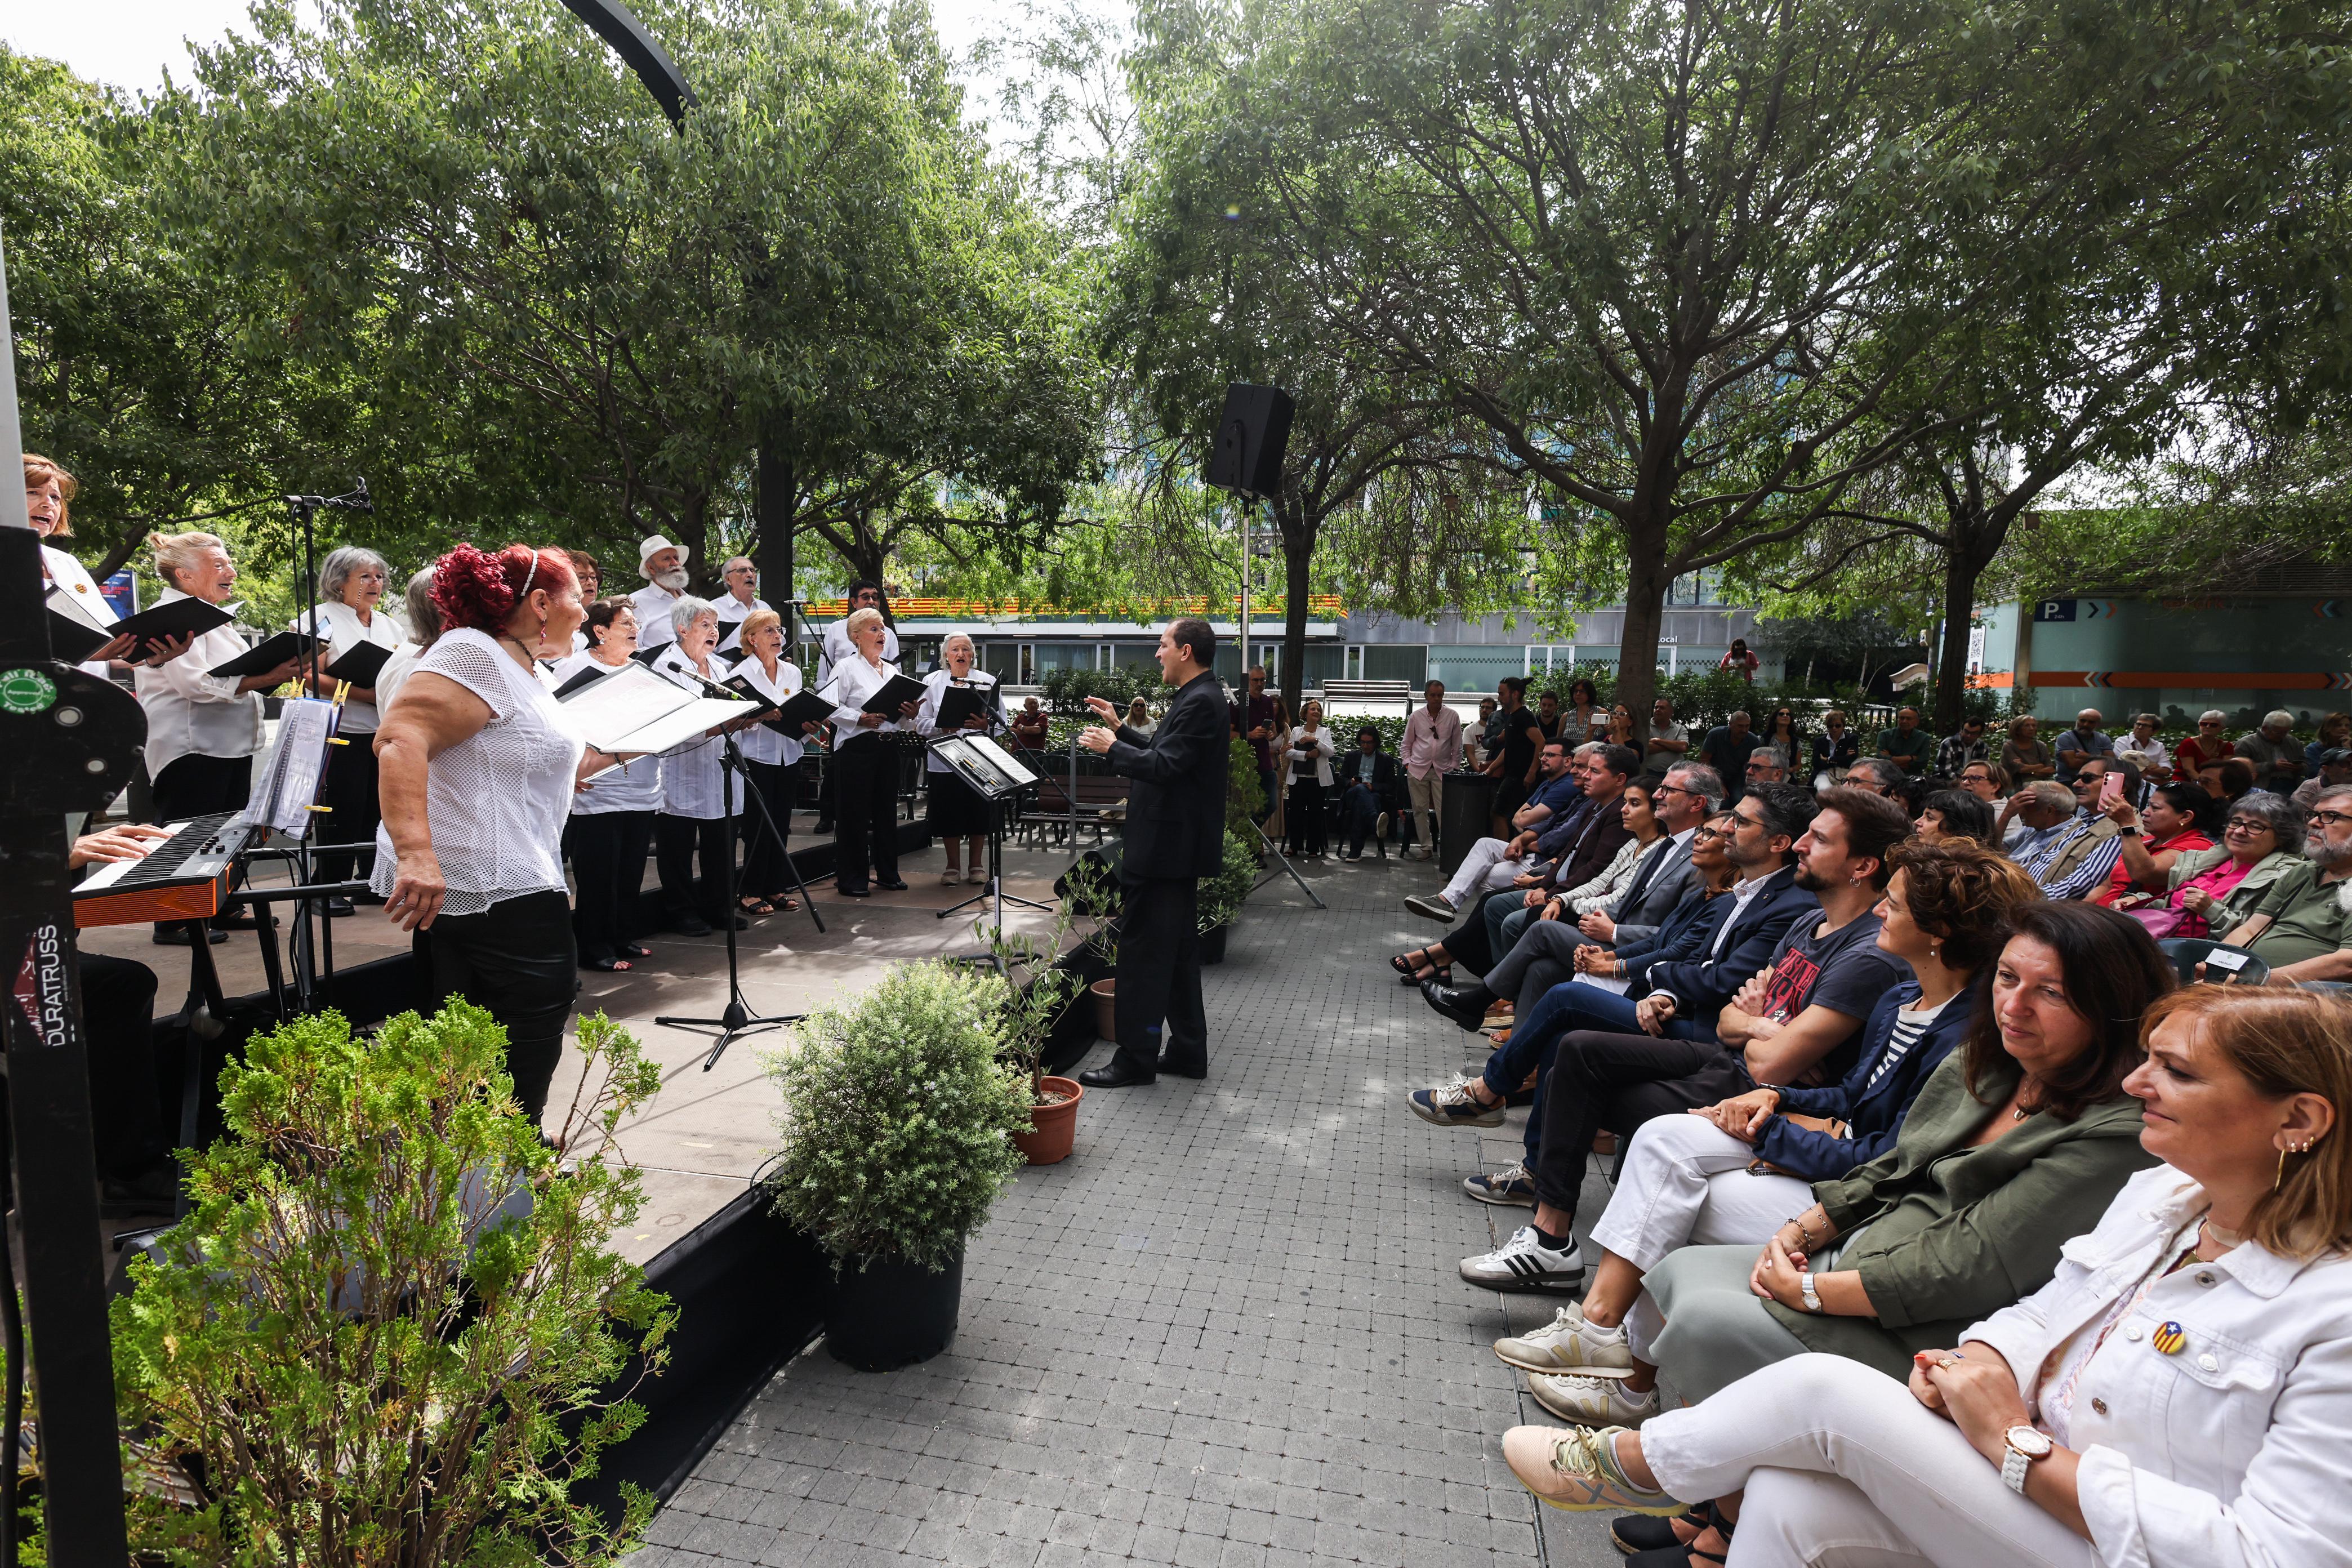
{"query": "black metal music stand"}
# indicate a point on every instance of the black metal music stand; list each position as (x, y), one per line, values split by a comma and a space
(736, 1018)
(983, 780)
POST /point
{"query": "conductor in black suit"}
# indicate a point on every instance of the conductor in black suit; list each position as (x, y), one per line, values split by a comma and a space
(1175, 836)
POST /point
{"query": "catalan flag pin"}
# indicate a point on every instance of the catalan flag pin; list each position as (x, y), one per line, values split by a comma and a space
(2169, 1339)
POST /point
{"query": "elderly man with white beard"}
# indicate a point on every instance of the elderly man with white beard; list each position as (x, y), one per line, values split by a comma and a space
(663, 565)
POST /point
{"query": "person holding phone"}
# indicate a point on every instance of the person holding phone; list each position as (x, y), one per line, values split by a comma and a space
(2070, 847)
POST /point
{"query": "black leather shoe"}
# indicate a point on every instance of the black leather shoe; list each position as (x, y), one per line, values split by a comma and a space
(177, 936)
(1168, 1065)
(1466, 1006)
(892, 886)
(1113, 1073)
(690, 925)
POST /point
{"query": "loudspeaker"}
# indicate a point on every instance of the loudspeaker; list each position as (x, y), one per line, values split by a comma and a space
(1252, 435)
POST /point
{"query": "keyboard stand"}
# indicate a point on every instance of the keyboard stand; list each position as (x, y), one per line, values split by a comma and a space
(200, 1024)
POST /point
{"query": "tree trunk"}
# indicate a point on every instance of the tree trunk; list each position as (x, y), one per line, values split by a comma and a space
(1645, 605)
(694, 533)
(771, 537)
(1298, 557)
(1960, 574)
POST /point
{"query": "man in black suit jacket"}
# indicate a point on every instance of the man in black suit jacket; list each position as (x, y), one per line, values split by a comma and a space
(1175, 836)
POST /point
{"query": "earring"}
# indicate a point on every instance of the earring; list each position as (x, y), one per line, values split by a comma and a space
(2278, 1180)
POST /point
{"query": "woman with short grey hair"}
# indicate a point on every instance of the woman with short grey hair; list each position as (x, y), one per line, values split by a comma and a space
(350, 616)
(699, 795)
(424, 626)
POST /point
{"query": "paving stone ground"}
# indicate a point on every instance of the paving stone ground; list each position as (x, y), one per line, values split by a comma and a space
(1226, 1331)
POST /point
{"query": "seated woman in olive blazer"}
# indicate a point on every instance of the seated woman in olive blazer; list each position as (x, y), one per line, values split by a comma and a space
(2019, 1140)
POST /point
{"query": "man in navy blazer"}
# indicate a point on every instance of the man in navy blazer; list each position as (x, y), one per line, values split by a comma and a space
(1175, 836)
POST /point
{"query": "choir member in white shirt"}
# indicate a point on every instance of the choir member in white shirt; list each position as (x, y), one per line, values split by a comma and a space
(48, 493)
(612, 824)
(424, 626)
(351, 586)
(202, 729)
(865, 763)
(739, 603)
(663, 566)
(590, 578)
(774, 760)
(959, 814)
(833, 648)
(693, 821)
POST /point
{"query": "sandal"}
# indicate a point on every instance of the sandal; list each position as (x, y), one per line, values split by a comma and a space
(631, 950)
(607, 965)
(754, 906)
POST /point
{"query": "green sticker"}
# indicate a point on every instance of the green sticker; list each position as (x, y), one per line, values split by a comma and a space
(26, 691)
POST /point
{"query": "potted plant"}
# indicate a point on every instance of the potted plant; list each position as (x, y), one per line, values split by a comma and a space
(1222, 897)
(1037, 989)
(1092, 895)
(897, 1136)
(389, 1328)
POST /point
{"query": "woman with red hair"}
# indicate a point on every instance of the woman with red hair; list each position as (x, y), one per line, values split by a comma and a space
(477, 766)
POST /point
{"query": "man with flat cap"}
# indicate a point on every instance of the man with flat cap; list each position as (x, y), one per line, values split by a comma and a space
(1175, 836)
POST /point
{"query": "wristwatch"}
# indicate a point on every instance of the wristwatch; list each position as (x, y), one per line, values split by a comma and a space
(1805, 1290)
(2025, 1445)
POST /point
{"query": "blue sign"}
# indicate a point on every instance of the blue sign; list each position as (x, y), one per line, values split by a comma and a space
(2054, 610)
(120, 592)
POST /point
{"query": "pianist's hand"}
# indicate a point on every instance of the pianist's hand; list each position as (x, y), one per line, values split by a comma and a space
(417, 890)
(132, 841)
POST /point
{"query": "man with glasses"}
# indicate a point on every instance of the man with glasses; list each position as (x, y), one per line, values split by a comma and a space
(1685, 797)
(2145, 749)
(741, 598)
(2276, 754)
(2070, 846)
(1765, 767)
(2334, 773)
(2302, 926)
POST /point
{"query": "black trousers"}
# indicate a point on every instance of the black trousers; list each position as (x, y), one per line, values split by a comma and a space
(678, 842)
(200, 786)
(608, 861)
(1303, 816)
(1467, 943)
(349, 789)
(126, 1100)
(1159, 974)
(516, 961)
(765, 876)
(865, 813)
(1617, 1082)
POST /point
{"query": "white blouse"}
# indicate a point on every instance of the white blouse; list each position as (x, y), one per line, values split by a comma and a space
(633, 786)
(1598, 893)
(854, 680)
(67, 572)
(1325, 750)
(935, 686)
(690, 774)
(190, 713)
(760, 743)
(495, 803)
(839, 651)
(732, 608)
(345, 631)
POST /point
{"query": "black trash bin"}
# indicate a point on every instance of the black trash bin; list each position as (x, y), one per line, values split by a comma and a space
(1469, 803)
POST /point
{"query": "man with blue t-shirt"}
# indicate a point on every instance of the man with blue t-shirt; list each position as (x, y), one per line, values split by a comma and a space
(1494, 863)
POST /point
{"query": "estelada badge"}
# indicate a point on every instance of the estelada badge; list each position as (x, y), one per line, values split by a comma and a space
(2169, 1339)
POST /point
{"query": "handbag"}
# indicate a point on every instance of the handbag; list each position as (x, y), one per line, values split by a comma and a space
(2164, 923)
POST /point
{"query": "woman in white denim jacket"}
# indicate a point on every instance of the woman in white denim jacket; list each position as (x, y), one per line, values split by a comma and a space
(2178, 1395)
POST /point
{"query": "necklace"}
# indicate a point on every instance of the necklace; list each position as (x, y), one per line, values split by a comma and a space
(2225, 1239)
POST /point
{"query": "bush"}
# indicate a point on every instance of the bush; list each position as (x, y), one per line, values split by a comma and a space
(1244, 793)
(1221, 895)
(1066, 691)
(372, 1359)
(898, 1119)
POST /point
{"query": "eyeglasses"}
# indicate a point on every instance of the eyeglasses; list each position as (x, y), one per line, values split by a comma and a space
(1674, 789)
(2329, 818)
(2246, 824)
(1713, 835)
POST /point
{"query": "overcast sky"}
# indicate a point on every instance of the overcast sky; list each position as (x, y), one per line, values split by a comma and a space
(129, 43)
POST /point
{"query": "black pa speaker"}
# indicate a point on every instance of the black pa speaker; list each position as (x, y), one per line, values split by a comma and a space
(1252, 435)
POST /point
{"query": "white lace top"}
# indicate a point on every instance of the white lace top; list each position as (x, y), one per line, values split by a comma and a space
(496, 802)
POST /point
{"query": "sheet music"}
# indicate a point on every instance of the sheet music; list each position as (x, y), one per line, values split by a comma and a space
(1000, 759)
(631, 709)
(289, 780)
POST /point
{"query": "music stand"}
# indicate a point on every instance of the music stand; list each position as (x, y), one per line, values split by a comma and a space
(992, 771)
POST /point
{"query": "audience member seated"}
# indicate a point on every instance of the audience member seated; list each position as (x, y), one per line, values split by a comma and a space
(2173, 1396)
(2274, 753)
(1797, 1019)
(2209, 892)
(2209, 744)
(1687, 796)
(1955, 814)
(1730, 1174)
(2173, 823)
(2335, 734)
(1370, 790)
(2145, 749)
(2025, 757)
(1967, 744)
(1988, 782)
(1566, 906)
(2016, 1142)
(2228, 780)
(2082, 743)
(1686, 937)
(1908, 745)
(1764, 766)
(1030, 725)
(1834, 750)
(2069, 847)
(2302, 926)
(1727, 749)
(2334, 766)
(1876, 775)
(1496, 863)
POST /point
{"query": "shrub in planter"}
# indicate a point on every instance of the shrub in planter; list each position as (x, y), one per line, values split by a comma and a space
(1221, 895)
(387, 1330)
(896, 1130)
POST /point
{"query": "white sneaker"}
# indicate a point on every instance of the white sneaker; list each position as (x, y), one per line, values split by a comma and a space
(1584, 1400)
(1523, 1263)
(1569, 1343)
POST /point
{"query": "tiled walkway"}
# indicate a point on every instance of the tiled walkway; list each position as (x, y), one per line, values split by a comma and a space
(1227, 1331)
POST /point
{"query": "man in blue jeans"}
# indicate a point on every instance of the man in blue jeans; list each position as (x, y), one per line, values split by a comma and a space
(1368, 778)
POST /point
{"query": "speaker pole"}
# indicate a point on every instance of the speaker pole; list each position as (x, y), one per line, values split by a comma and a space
(1246, 588)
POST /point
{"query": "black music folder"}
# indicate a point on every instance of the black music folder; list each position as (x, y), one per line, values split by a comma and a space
(802, 708)
(267, 654)
(75, 631)
(895, 691)
(361, 664)
(958, 703)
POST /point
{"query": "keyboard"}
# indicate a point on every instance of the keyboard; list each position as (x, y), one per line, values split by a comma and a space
(185, 877)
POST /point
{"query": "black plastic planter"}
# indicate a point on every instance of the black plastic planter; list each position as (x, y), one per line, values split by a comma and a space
(1213, 943)
(891, 1314)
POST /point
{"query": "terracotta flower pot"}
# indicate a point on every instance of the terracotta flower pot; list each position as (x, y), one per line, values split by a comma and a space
(1052, 1128)
(1105, 994)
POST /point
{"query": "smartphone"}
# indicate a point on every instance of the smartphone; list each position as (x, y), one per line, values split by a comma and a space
(2111, 789)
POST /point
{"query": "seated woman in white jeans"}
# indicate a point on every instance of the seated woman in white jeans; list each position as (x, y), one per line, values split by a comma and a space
(2179, 1394)
(1735, 1172)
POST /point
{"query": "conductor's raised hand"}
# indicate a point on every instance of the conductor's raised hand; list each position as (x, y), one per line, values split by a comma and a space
(1101, 707)
(1094, 737)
